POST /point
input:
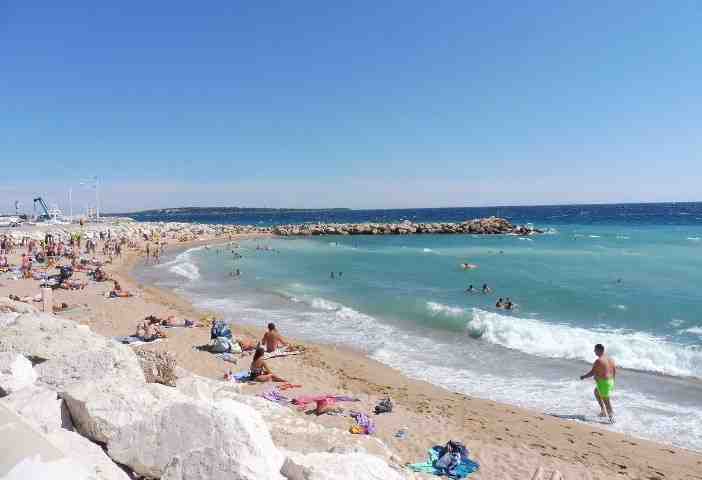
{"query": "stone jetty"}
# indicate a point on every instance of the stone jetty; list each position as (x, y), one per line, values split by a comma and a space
(480, 226)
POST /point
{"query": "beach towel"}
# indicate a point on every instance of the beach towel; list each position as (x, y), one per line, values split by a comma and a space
(275, 396)
(280, 353)
(133, 340)
(434, 466)
(304, 400)
(241, 377)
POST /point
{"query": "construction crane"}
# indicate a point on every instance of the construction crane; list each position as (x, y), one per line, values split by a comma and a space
(42, 203)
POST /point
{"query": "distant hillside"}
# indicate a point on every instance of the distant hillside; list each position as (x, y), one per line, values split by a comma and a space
(215, 211)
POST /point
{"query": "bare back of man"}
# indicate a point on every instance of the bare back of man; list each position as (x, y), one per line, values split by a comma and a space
(272, 340)
(605, 371)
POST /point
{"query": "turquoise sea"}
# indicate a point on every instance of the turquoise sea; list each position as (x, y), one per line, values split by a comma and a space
(632, 285)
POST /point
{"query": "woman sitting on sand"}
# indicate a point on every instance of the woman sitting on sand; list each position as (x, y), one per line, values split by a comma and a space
(118, 292)
(259, 369)
(148, 330)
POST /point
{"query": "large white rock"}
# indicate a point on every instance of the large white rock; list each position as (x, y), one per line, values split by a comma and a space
(35, 468)
(153, 428)
(100, 409)
(16, 372)
(206, 389)
(90, 456)
(40, 406)
(113, 360)
(72, 352)
(334, 466)
(198, 441)
(289, 429)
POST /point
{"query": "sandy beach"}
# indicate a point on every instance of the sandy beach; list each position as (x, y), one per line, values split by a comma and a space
(508, 442)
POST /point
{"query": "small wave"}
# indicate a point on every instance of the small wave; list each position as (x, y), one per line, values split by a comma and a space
(622, 237)
(186, 269)
(693, 330)
(595, 236)
(323, 304)
(316, 303)
(621, 307)
(440, 309)
(427, 250)
(635, 350)
(694, 239)
(676, 322)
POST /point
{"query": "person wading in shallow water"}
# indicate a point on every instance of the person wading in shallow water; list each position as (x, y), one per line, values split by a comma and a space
(604, 370)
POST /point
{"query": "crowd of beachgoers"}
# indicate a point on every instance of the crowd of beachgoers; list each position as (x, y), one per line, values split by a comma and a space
(320, 411)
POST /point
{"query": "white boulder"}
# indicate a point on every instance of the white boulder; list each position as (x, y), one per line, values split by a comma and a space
(111, 360)
(90, 456)
(198, 441)
(100, 409)
(39, 406)
(334, 466)
(72, 352)
(16, 372)
(155, 430)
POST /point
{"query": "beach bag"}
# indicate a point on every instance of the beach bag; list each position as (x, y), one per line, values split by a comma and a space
(385, 406)
(220, 345)
(234, 346)
(220, 329)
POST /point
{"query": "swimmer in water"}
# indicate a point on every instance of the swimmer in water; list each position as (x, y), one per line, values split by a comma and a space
(499, 303)
(331, 275)
(486, 289)
(508, 304)
(470, 289)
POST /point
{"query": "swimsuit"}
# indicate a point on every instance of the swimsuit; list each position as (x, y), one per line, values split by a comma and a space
(605, 386)
(256, 372)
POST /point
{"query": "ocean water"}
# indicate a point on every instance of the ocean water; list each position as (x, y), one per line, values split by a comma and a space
(624, 276)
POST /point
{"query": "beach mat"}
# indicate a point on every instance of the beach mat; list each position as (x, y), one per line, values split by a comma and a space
(134, 340)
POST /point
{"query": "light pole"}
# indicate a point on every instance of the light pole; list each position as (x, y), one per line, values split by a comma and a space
(94, 183)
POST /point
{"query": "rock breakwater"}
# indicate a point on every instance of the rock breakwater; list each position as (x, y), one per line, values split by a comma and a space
(480, 226)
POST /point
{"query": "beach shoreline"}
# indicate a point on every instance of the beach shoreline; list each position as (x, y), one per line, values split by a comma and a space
(508, 441)
(502, 427)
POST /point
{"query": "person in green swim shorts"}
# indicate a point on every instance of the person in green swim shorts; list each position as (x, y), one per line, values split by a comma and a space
(605, 371)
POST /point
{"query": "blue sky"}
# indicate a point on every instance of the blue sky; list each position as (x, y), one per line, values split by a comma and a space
(359, 104)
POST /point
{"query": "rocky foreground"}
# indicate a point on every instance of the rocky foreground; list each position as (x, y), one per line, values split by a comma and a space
(82, 402)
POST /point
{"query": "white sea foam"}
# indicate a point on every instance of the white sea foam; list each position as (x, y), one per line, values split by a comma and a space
(595, 236)
(694, 239)
(323, 304)
(635, 350)
(183, 265)
(440, 309)
(186, 269)
(676, 322)
(693, 330)
(427, 250)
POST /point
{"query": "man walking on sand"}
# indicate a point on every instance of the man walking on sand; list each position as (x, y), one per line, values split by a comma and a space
(604, 370)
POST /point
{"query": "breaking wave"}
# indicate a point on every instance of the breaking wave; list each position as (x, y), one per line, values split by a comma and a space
(632, 349)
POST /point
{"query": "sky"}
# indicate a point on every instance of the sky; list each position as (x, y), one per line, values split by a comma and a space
(358, 104)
